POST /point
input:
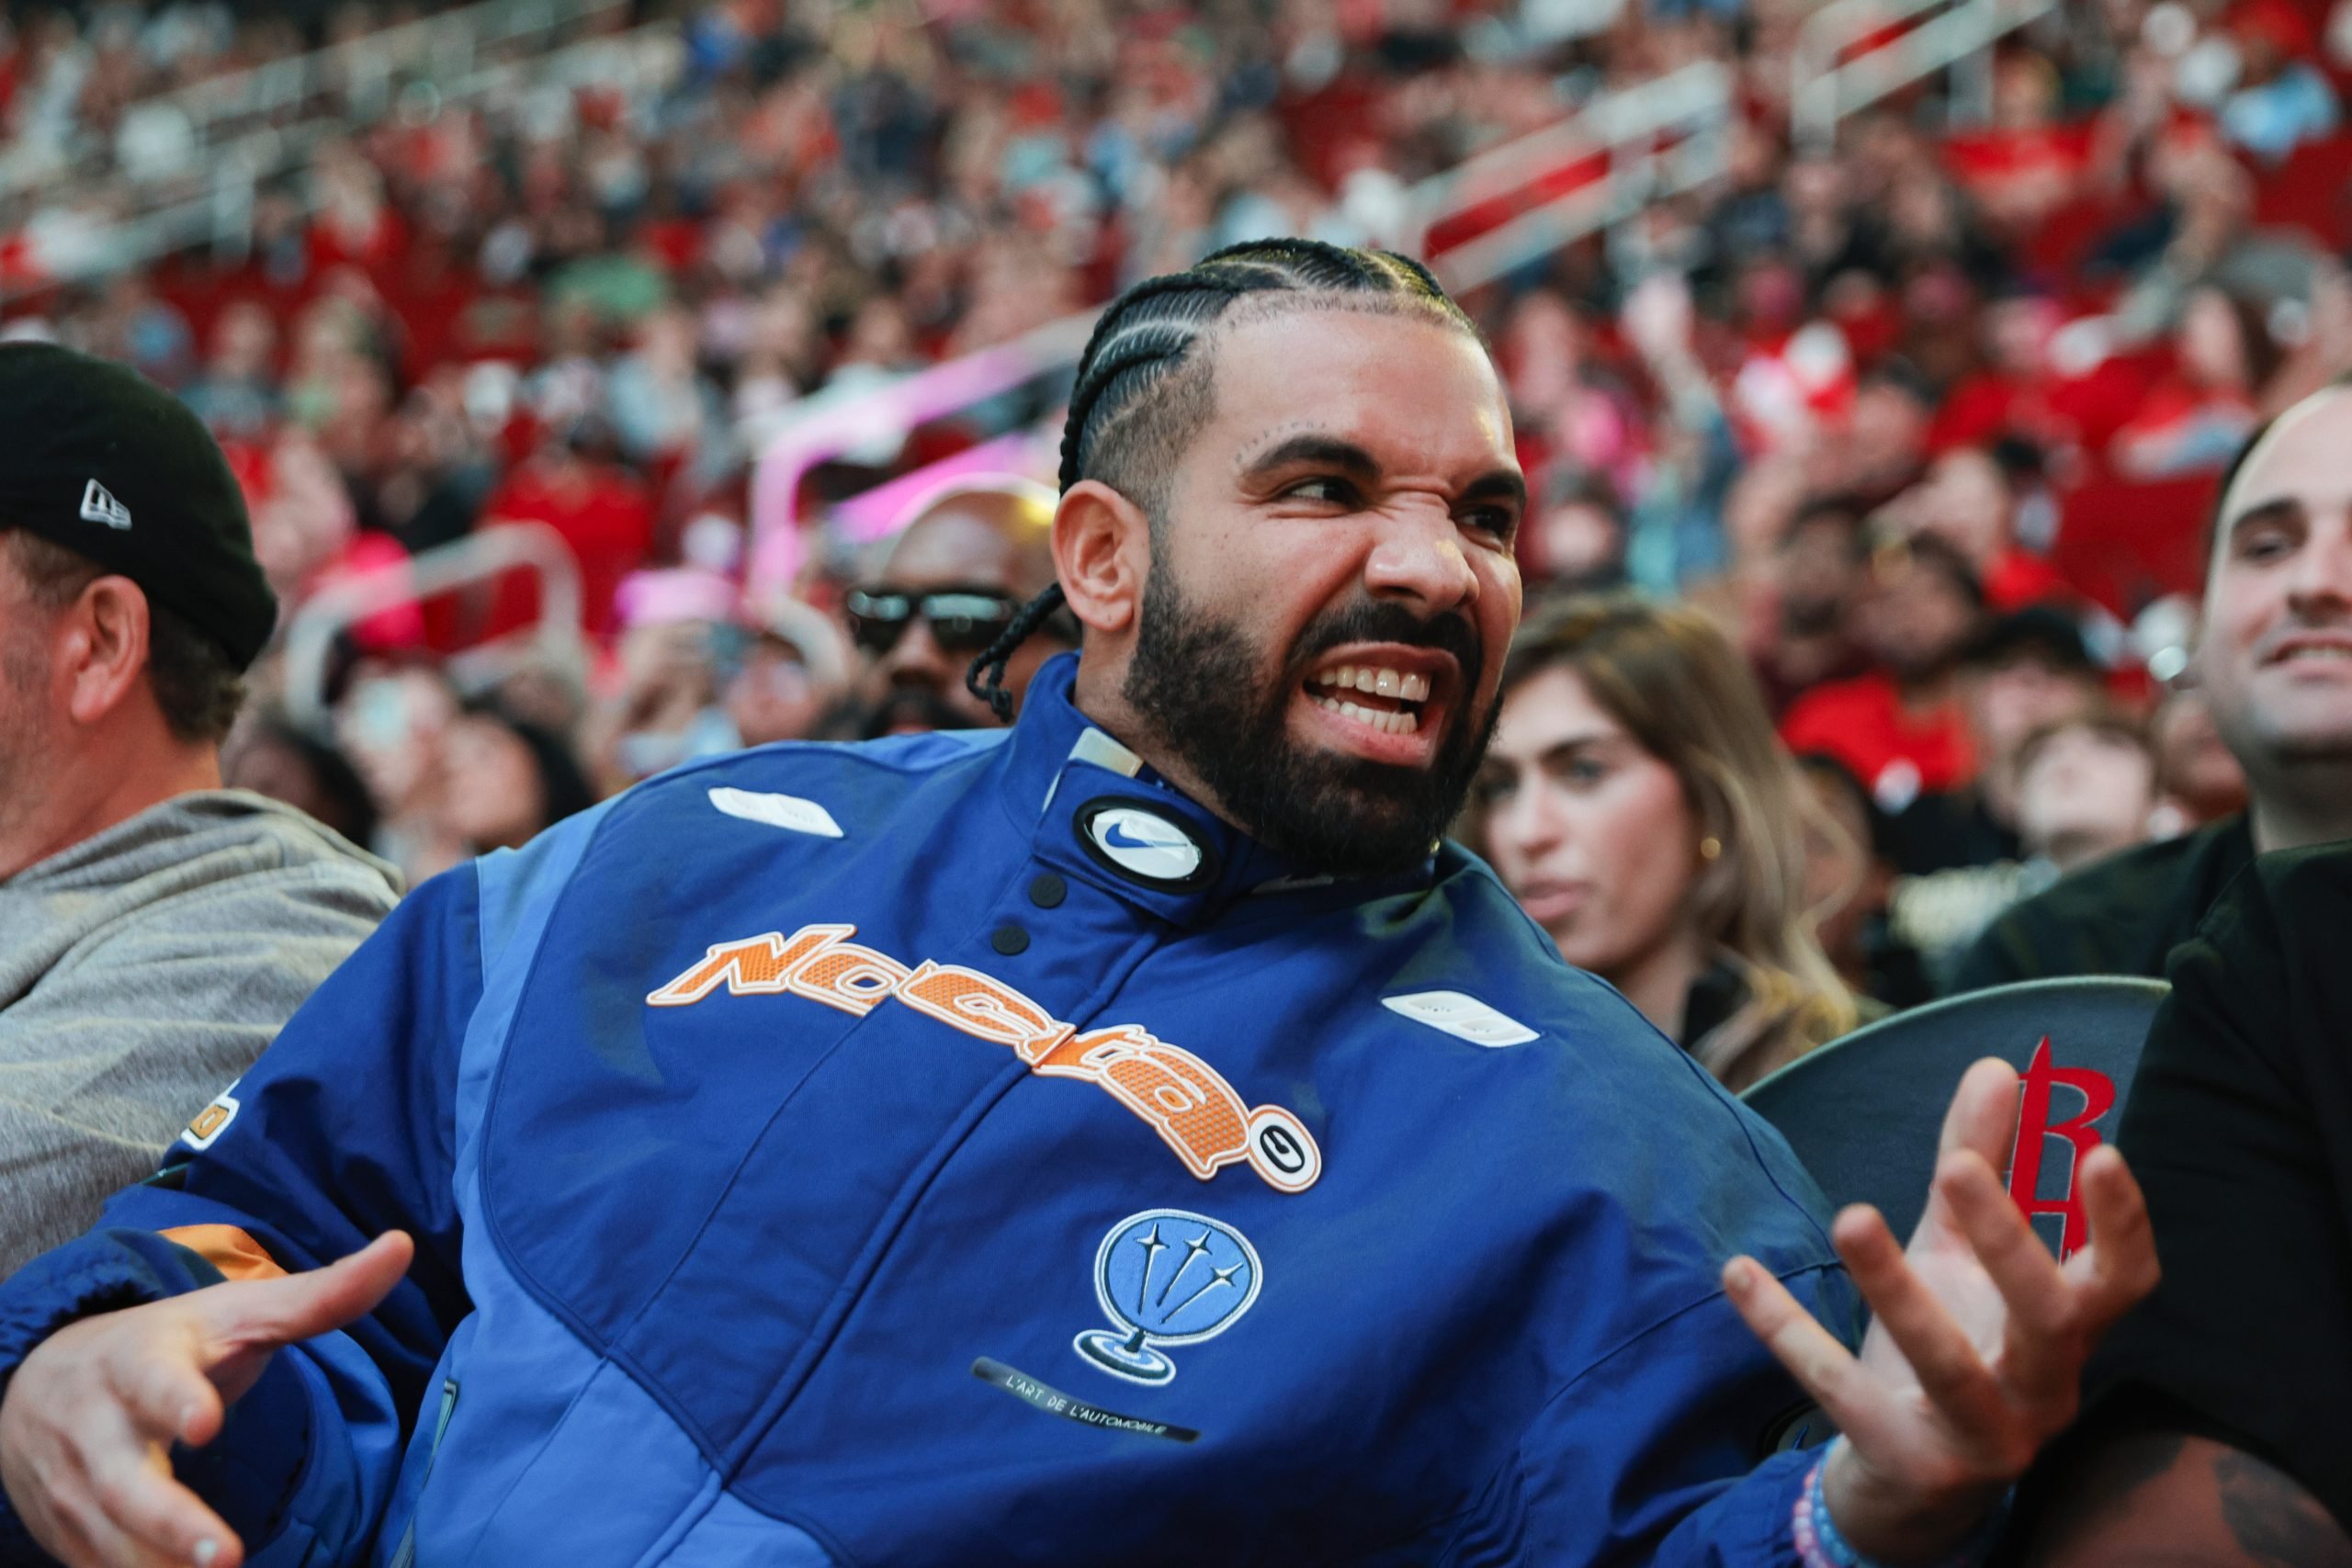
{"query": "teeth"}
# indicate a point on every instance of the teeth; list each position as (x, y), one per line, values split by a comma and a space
(1399, 723)
(2321, 652)
(1393, 684)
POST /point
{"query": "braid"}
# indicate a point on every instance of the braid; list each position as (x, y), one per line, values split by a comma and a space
(1140, 385)
(985, 679)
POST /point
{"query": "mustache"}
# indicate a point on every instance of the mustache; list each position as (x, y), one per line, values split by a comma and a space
(919, 705)
(1374, 620)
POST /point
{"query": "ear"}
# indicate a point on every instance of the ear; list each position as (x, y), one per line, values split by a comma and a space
(1101, 547)
(102, 650)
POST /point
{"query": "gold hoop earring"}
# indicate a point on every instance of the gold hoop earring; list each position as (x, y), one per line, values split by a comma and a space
(1711, 848)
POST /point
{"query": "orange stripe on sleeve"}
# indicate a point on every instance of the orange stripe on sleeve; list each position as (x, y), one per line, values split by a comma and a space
(227, 1249)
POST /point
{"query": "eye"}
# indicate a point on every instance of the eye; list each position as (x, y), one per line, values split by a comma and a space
(1327, 489)
(1583, 773)
(2264, 544)
(1489, 790)
(1497, 521)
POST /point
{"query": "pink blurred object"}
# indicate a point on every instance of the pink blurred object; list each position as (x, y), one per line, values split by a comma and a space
(666, 597)
(888, 508)
(401, 625)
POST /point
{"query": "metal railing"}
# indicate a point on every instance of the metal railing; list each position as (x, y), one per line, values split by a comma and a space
(878, 513)
(834, 430)
(169, 216)
(1660, 136)
(1841, 63)
(354, 79)
(556, 638)
(1651, 139)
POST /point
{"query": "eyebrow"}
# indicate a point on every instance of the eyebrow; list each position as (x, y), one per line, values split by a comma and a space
(1330, 451)
(1499, 484)
(1326, 451)
(1568, 746)
(1562, 749)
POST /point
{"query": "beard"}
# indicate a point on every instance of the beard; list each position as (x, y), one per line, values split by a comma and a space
(1196, 679)
(1811, 617)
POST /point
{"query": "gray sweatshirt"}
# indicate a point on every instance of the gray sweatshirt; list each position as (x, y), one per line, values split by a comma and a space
(143, 969)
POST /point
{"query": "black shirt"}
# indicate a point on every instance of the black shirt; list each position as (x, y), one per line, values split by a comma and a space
(2122, 915)
(1949, 831)
(2239, 1128)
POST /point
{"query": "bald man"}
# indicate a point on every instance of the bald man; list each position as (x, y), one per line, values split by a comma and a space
(947, 586)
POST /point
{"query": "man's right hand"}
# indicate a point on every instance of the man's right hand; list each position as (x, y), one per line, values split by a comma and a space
(87, 1426)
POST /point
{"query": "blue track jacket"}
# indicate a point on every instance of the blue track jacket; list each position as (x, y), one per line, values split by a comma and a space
(967, 1150)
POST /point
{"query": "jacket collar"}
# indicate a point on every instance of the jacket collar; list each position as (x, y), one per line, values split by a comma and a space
(1097, 811)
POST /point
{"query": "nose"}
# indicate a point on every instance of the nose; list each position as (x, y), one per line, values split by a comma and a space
(2322, 580)
(1525, 826)
(916, 658)
(1418, 560)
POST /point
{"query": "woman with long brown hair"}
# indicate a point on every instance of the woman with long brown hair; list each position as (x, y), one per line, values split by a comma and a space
(1638, 805)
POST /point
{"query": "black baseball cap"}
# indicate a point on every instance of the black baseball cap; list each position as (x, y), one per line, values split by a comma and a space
(2044, 633)
(103, 462)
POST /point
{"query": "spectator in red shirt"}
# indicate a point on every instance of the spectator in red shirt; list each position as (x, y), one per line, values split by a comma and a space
(1966, 500)
(1902, 731)
(2013, 393)
(600, 509)
(2196, 419)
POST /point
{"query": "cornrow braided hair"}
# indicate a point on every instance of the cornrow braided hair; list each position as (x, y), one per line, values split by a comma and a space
(1144, 340)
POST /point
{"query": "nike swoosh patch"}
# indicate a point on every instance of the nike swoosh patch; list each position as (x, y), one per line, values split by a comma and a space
(1118, 837)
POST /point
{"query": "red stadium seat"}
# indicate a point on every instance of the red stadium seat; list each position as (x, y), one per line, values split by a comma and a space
(2126, 543)
(2311, 191)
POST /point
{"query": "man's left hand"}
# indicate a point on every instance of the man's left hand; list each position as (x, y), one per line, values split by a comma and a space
(1976, 1346)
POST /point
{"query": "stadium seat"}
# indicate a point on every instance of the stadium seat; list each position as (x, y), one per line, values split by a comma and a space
(1863, 1113)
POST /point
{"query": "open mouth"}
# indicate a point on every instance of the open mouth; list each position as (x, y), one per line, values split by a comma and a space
(2316, 652)
(1388, 699)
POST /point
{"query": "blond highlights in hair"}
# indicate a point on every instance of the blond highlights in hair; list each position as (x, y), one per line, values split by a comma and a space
(1682, 692)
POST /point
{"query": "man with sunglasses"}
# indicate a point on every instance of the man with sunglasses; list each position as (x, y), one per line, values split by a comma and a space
(949, 584)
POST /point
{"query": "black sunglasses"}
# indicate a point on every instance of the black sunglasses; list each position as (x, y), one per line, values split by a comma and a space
(962, 620)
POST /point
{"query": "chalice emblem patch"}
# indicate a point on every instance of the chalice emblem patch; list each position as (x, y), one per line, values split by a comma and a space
(1166, 1276)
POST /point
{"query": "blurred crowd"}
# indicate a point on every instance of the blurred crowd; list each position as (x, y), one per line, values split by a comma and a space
(1923, 424)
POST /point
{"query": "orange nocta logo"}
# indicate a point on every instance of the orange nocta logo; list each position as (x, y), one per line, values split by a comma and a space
(2034, 1128)
(1181, 1097)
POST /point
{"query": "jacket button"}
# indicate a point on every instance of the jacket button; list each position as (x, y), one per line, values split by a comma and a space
(1010, 940)
(1048, 891)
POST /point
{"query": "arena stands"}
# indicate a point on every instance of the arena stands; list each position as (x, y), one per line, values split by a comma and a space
(2014, 278)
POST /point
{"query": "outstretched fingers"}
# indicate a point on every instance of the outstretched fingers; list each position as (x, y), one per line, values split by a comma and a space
(301, 1306)
(125, 1503)
(2041, 1343)
(2119, 1266)
(1982, 1115)
(170, 1400)
(1947, 1364)
(1822, 1365)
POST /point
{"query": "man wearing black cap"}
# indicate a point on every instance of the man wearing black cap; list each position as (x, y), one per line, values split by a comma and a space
(155, 930)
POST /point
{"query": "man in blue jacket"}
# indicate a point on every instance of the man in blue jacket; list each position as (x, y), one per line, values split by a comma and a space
(1122, 1140)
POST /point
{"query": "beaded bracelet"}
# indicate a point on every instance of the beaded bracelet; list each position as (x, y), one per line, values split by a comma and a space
(1820, 1546)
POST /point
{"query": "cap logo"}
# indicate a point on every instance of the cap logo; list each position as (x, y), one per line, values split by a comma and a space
(98, 505)
(1130, 838)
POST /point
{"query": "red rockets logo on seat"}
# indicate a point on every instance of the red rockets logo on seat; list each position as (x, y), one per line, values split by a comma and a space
(1181, 1097)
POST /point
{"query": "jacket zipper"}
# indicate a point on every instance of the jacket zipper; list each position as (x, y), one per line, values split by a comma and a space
(405, 1557)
